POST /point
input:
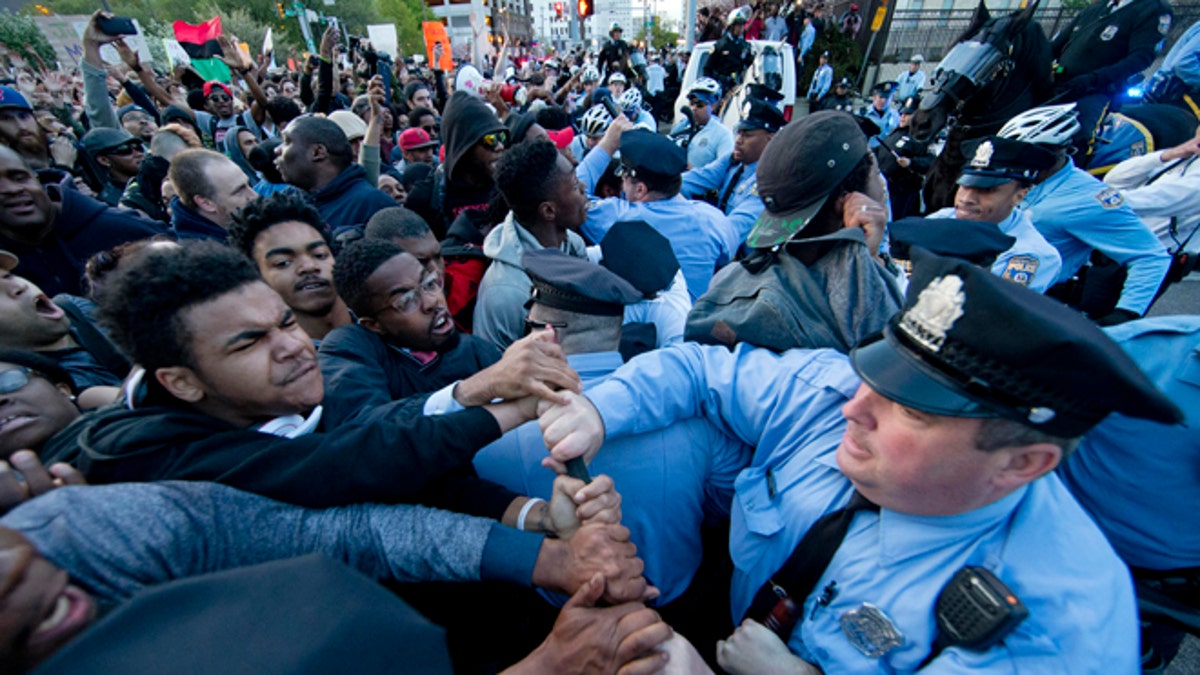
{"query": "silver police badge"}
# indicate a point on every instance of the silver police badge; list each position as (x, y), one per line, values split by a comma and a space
(871, 631)
(983, 155)
(746, 108)
(1109, 33)
(938, 306)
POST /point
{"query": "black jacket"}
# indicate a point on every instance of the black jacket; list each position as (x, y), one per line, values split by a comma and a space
(187, 224)
(389, 457)
(349, 201)
(83, 228)
(1106, 48)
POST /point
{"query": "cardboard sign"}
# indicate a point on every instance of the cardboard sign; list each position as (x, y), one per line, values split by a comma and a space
(383, 38)
(435, 33)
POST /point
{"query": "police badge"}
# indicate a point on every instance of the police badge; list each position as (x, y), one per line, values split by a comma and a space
(871, 631)
(983, 155)
(1021, 268)
(1110, 198)
(938, 306)
(1109, 33)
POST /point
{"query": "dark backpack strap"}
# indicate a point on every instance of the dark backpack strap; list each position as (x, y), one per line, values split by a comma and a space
(92, 340)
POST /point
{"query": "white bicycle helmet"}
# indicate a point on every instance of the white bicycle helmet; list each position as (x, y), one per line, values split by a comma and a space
(739, 15)
(618, 77)
(1053, 125)
(707, 86)
(595, 121)
(630, 102)
(590, 74)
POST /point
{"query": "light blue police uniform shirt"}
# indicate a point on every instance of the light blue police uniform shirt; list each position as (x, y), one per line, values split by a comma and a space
(908, 84)
(887, 120)
(744, 205)
(808, 35)
(1139, 479)
(1037, 540)
(671, 481)
(712, 141)
(1031, 261)
(1184, 58)
(822, 80)
(701, 236)
(1077, 213)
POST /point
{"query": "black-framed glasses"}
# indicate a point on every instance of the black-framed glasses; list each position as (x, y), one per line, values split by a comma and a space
(15, 379)
(531, 325)
(432, 129)
(410, 300)
(125, 150)
(219, 98)
(494, 140)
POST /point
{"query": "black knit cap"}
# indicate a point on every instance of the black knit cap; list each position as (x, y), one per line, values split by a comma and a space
(576, 285)
(972, 344)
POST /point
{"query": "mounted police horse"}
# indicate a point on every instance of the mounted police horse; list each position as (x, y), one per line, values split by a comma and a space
(1000, 67)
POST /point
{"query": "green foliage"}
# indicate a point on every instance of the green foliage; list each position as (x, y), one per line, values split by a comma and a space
(19, 34)
(662, 33)
(844, 56)
(407, 16)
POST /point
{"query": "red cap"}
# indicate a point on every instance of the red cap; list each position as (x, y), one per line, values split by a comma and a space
(208, 87)
(562, 138)
(415, 139)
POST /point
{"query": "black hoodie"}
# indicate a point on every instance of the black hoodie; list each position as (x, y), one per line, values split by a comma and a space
(441, 197)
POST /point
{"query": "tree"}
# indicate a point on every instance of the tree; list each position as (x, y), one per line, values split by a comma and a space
(662, 32)
(407, 16)
(20, 35)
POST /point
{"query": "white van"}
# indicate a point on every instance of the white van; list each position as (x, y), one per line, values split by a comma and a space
(773, 66)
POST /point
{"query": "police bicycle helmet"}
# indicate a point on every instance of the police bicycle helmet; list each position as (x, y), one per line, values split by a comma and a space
(739, 15)
(595, 121)
(590, 74)
(1052, 125)
(708, 87)
(630, 102)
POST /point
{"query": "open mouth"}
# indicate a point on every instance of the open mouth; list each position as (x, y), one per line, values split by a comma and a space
(46, 308)
(442, 325)
(21, 206)
(12, 422)
(311, 284)
(73, 610)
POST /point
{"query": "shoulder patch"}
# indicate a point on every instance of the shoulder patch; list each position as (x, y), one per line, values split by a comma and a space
(1021, 268)
(1110, 198)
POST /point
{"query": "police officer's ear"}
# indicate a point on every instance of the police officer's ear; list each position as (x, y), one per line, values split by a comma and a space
(1021, 465)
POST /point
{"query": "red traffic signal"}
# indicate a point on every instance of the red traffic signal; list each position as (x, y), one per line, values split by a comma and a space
(558, 10)
(586, 8)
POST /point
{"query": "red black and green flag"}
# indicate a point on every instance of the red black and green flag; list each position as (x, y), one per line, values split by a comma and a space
(200, 43)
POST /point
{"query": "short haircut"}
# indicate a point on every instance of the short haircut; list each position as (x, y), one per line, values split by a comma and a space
(525, 176)
(998, 432)
(308, 131)
(166, 143)
(189, 174)
(415, 115)
(41, 364)
(394, 223)
(413, 87)
(262, 214)
(355, 265)
(668, 186)
(553, 118)
(142, 305)
(282, 110)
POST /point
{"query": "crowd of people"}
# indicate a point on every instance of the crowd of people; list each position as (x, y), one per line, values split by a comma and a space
(375, 367)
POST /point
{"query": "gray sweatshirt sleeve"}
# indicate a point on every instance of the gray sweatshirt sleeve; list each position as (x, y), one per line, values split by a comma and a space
(99, 110)
(115, 539)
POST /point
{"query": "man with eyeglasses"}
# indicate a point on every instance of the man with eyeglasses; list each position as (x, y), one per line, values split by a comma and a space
(137, 121)
(426, 120)
(118, 156)
(712, 140)
(405, 343)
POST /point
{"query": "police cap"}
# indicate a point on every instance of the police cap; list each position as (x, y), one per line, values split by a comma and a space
(576, 285)
(645, 152)
(975, 242)
(640, 255)
(971, 344)
(759, 114)
(993, 161)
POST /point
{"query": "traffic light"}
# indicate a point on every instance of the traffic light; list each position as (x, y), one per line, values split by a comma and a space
(586, 8)
(279, 6)
(558, 10)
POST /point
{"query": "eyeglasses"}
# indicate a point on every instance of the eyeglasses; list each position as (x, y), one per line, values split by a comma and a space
(431, 129)
(135, 117)
(531, 325)
(494, 140)
(408, 301)
(15, 379)
(125, 150)
(219, 98)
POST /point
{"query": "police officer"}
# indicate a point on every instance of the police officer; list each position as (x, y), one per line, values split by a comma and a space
(732, 177)
(840, 99)
(732, 53)
(996, 178)
(880, 112)
(910, 83)
(614, 55)
(822, 78)
(904, 161)
(1179, 73)
(1106, 44)
(928, 468)
(651, 171)
(713, 140)
(1077, 214)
